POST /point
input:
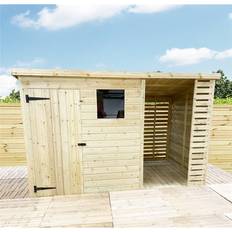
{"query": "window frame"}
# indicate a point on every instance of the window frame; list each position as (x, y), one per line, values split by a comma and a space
(124, 102)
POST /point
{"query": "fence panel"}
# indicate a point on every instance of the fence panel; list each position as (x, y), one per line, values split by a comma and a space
(12, 148)
(220, 149)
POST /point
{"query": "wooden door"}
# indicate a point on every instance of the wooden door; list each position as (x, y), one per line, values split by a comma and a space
(53, 155)
(42, 160)
(69, 137)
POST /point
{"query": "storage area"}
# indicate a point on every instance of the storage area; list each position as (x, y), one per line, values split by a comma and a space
(175, 110)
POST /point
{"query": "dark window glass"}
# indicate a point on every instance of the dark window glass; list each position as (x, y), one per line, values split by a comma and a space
(110, 103)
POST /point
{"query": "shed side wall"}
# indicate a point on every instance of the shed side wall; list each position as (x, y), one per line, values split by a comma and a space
(180, 128)
(200, 130)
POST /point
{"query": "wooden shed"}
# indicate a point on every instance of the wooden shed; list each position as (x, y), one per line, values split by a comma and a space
(96, 131)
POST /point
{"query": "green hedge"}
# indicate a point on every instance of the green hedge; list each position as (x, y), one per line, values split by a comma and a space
(223, 101)
(218, 101)
(9, 100)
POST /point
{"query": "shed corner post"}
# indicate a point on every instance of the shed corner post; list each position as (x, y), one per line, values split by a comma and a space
(210, 107)
(143, 85)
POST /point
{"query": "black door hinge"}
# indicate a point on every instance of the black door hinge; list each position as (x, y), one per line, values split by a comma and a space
(81, 144)
(36, 189)
(28, 98)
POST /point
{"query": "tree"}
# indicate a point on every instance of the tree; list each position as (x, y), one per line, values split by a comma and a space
(223, 86)
(14, 96)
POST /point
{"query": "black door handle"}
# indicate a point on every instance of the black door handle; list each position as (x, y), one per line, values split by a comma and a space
(81, 144)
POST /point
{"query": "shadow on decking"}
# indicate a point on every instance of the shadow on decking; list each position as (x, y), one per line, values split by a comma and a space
(162, 173)
(167, 173)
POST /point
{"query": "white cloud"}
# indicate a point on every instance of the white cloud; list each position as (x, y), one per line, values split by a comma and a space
(64, 16)
(23, 20)
(177, 56)
(7, 84)
(188, 56)
(224, 54)
(3, 70)
(32, 63)
(150, 8)
(230, 15)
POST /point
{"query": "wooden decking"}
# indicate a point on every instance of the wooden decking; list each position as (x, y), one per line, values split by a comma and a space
(169, 207)
(177, 206)
(13, 182)
(87, 210)
(166, 173)
(217, 176)
(162, 203)
(162, 173)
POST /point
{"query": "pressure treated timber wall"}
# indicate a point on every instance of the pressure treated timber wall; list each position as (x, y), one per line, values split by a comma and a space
(11, 130)
(200, 130)
(181, 113)
(12, 149)
(156, 129)
(220, 149)
(113, 157)
(111, 160)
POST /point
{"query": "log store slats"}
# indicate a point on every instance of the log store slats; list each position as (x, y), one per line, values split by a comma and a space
(156, 130)
(200, 130)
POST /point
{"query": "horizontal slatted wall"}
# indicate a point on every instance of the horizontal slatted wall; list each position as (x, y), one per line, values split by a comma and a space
(220, 149)
(111, 157)
(12, 148)
(156, 130)
(200, 131)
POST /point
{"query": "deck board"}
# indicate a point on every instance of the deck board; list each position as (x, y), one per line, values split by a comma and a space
(174, 206)
(162, 173)
(165, 173)
(87, 210)
(170, 206)
(224, 190)
(13, 182)
(216, 175)
(165, 201)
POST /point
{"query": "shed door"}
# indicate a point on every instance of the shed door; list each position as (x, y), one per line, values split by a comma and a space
(42, 162)
(55, 159)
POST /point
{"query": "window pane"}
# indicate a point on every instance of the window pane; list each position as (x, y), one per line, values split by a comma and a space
(110, 103)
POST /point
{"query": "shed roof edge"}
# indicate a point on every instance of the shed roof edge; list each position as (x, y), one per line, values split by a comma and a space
(124, 75)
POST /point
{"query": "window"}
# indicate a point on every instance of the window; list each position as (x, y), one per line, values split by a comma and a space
(110, 103)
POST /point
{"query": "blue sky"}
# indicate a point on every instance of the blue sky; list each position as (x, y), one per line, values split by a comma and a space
(115, 38)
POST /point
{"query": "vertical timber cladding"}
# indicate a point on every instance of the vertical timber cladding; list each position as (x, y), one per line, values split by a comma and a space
(156, 128)
(113, 155)
(52, 127)
(200, 130)
(180, 128)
